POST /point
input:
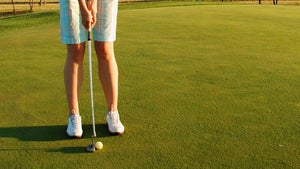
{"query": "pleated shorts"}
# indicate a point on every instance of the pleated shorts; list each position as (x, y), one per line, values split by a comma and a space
(73, 32)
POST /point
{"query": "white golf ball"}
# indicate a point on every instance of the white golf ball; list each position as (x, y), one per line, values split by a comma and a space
(98, 145)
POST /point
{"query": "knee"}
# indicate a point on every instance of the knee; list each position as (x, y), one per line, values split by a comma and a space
(104, 50)
(76, 52)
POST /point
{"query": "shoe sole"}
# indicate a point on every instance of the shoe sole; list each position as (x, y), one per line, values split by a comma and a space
(74, 137)
(115, 133)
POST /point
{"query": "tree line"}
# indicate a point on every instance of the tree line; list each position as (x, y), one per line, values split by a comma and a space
(30, 3)
(275, 2)
(43, 2)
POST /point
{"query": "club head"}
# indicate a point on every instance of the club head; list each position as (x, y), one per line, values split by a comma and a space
(91, 148)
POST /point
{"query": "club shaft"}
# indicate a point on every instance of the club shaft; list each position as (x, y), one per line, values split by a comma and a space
(91, 83)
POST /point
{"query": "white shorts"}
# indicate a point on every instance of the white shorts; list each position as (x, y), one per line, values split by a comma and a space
(73, 32)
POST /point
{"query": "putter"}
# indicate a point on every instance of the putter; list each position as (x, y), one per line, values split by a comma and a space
(91, 147)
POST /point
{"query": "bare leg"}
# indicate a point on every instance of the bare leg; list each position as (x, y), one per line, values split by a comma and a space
(73, 75)
(108, 73)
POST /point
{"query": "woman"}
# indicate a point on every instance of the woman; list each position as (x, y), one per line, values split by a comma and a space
(77, 17)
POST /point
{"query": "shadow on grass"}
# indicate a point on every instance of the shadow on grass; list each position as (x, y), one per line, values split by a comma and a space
(65, 150)
(69, 150)
(50, 133)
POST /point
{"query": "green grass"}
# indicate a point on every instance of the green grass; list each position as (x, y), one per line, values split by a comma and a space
(13, 23)
(22, 6)
(205, 86)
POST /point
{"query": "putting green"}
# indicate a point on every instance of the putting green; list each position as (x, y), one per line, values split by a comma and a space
(205, 86)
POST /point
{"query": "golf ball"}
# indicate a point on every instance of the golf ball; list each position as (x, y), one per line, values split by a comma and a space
(98, 145)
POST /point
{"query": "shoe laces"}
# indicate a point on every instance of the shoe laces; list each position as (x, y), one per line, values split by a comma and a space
(114, 116)
(75, 120)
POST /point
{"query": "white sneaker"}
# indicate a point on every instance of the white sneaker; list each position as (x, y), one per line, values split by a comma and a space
(114, 124)
(74, 126)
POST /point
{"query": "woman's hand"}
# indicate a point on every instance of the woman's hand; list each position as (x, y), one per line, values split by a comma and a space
(88, 13)
(92, 7)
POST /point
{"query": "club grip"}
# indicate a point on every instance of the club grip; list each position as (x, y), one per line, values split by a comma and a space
(89, 35)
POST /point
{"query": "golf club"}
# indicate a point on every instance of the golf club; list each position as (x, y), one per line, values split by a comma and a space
(91, 147)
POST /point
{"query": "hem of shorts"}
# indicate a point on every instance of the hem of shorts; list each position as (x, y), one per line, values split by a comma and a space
(72, 43)
(101, 40)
